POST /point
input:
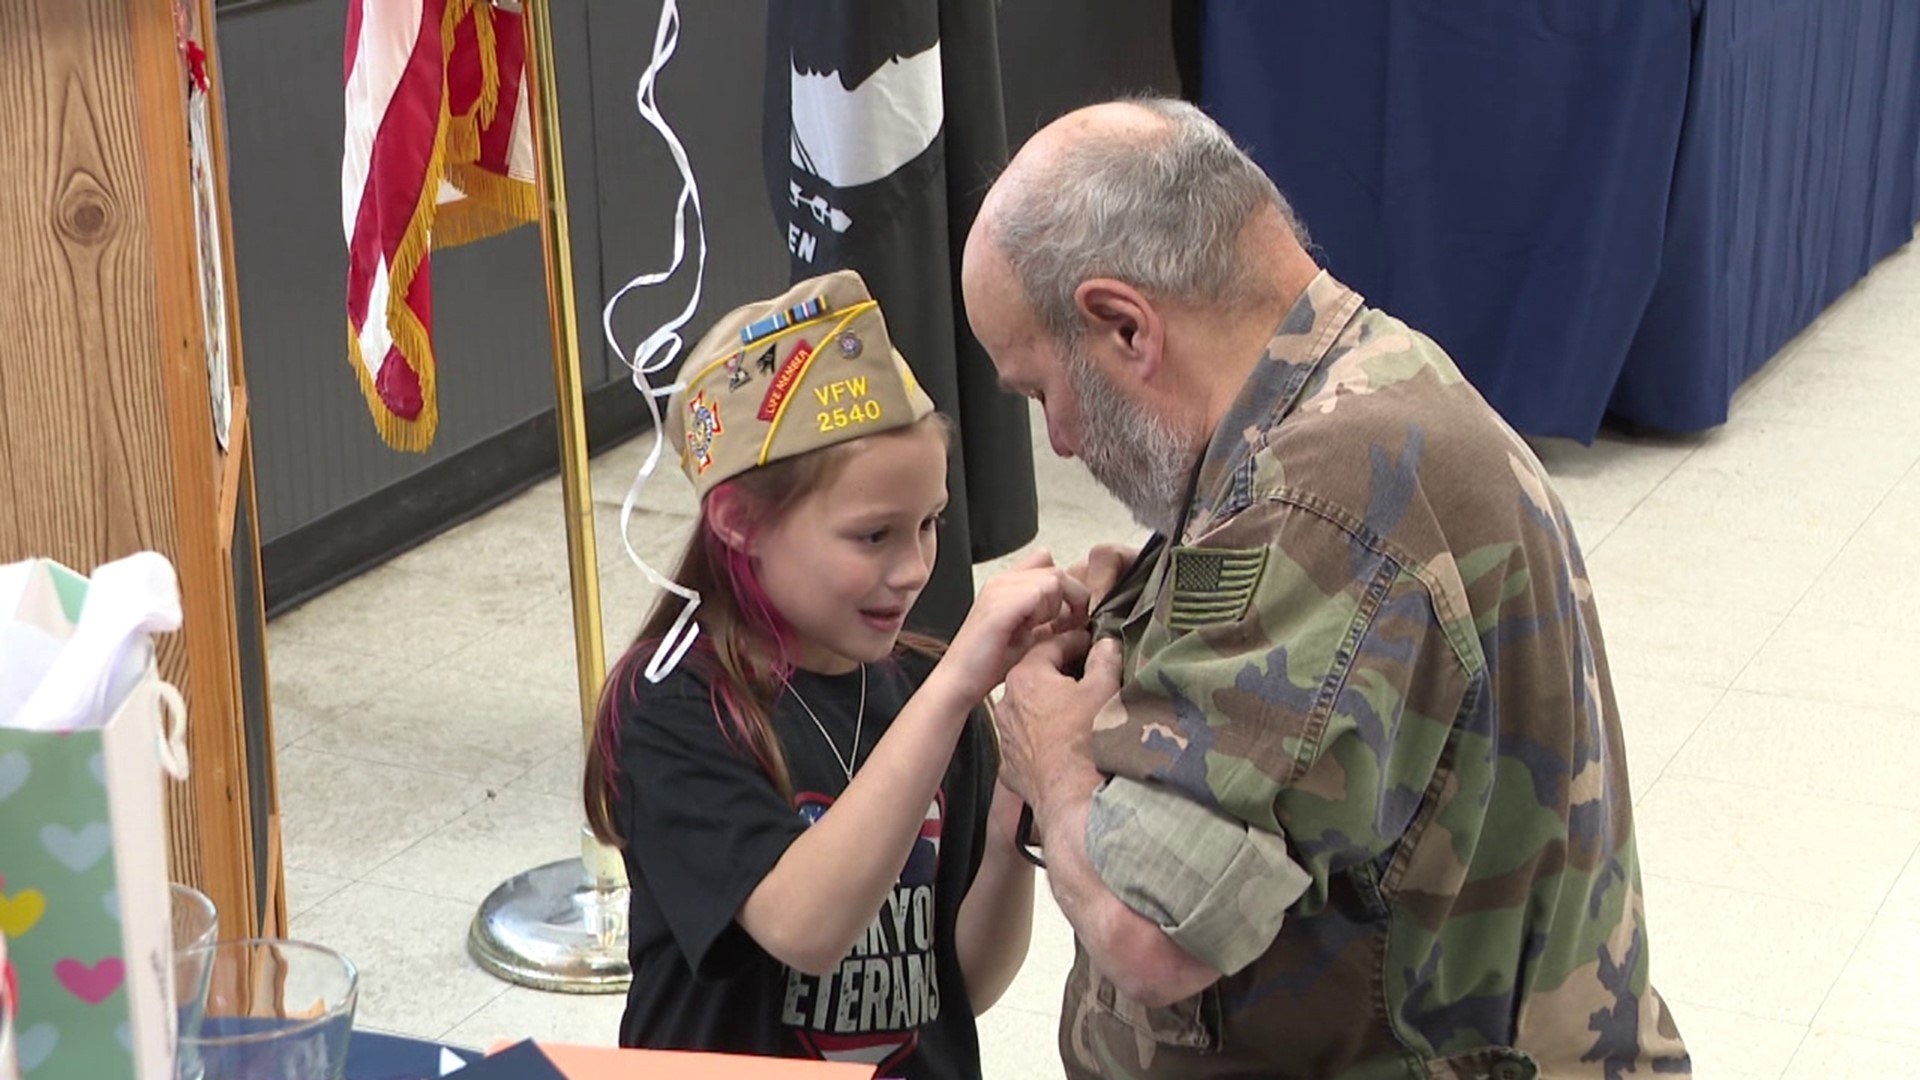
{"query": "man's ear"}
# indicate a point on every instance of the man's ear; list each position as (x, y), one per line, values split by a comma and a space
(1123, 324)
(727, 517)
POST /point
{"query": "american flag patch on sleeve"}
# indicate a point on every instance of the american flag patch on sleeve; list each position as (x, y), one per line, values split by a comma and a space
(1213, 585)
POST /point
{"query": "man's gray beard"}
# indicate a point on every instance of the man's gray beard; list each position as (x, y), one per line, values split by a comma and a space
(1139, 458)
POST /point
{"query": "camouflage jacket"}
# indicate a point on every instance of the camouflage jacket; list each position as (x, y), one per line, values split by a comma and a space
(1373, 640)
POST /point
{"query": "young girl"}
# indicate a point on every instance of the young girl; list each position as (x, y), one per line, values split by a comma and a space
(822, 862)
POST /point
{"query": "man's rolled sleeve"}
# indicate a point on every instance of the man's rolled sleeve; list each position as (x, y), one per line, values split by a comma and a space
(1219, 889)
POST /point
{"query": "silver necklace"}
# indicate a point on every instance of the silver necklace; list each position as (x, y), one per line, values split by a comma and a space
(847, 761)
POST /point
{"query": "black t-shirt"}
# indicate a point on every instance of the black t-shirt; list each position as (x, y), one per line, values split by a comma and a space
(704, 825)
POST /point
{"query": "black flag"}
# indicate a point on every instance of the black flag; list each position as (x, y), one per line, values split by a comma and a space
(883, 127)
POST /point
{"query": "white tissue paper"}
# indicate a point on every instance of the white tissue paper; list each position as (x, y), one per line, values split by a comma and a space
(47, 684)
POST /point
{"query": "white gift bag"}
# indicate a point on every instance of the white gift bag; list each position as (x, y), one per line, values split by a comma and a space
(87, 728)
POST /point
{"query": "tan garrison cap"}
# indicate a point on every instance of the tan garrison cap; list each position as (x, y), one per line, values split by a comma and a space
(774, 379)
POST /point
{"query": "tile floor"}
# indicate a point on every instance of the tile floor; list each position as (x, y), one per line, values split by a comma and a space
(1761, 597)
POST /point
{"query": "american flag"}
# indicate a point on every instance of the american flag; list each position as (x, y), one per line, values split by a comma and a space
(438, 152)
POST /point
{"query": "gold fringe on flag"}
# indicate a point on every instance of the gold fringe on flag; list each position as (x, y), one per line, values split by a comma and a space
(490, 203)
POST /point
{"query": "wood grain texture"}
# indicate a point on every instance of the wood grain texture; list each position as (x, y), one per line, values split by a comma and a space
(235, 488)
(275, 921)
(81, 394)
(104, 421)
(216, 798)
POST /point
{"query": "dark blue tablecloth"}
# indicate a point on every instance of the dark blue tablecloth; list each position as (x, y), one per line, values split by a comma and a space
(1597, 206)
(372, 1056)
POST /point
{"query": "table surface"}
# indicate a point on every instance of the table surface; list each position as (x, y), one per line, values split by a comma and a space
(376, 1056)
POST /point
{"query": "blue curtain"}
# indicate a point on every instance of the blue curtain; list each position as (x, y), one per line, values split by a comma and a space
(1599, 207)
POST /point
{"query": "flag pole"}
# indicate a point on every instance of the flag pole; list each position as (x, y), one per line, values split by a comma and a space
(562, 926)
(569, 389)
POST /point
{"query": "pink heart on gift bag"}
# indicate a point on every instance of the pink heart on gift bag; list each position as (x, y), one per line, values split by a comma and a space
(92, 985)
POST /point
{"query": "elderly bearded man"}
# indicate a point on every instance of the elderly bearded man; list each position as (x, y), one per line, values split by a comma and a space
(1339, 790)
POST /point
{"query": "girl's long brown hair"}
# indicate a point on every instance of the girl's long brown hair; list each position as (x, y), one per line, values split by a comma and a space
(745, 648)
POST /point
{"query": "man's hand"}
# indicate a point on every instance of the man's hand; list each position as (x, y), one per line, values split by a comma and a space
(1102, 569)
(1046, 729)
(1046, 717)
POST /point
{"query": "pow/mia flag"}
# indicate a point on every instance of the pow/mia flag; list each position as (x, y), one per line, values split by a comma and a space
(883, 126)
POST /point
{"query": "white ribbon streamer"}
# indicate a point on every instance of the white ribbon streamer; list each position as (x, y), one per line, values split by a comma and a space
(662, 347)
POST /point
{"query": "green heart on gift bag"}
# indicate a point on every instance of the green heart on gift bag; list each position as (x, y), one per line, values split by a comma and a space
(14, 769)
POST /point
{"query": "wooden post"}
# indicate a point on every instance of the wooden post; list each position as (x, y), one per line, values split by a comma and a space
(106, 432)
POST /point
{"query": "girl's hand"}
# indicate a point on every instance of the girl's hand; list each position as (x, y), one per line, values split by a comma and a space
(1103, 568)
(1028, 603)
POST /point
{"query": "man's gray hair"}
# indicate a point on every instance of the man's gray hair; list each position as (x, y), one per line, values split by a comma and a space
(1163, 214)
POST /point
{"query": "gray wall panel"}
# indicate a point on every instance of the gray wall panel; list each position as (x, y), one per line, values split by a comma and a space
(710, 94)
(315, 444)
(316, 448)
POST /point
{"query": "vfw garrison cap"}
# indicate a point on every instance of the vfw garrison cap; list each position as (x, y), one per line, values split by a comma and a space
(807, 369)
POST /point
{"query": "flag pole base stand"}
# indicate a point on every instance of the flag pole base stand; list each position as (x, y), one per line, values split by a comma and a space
(557, 927)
